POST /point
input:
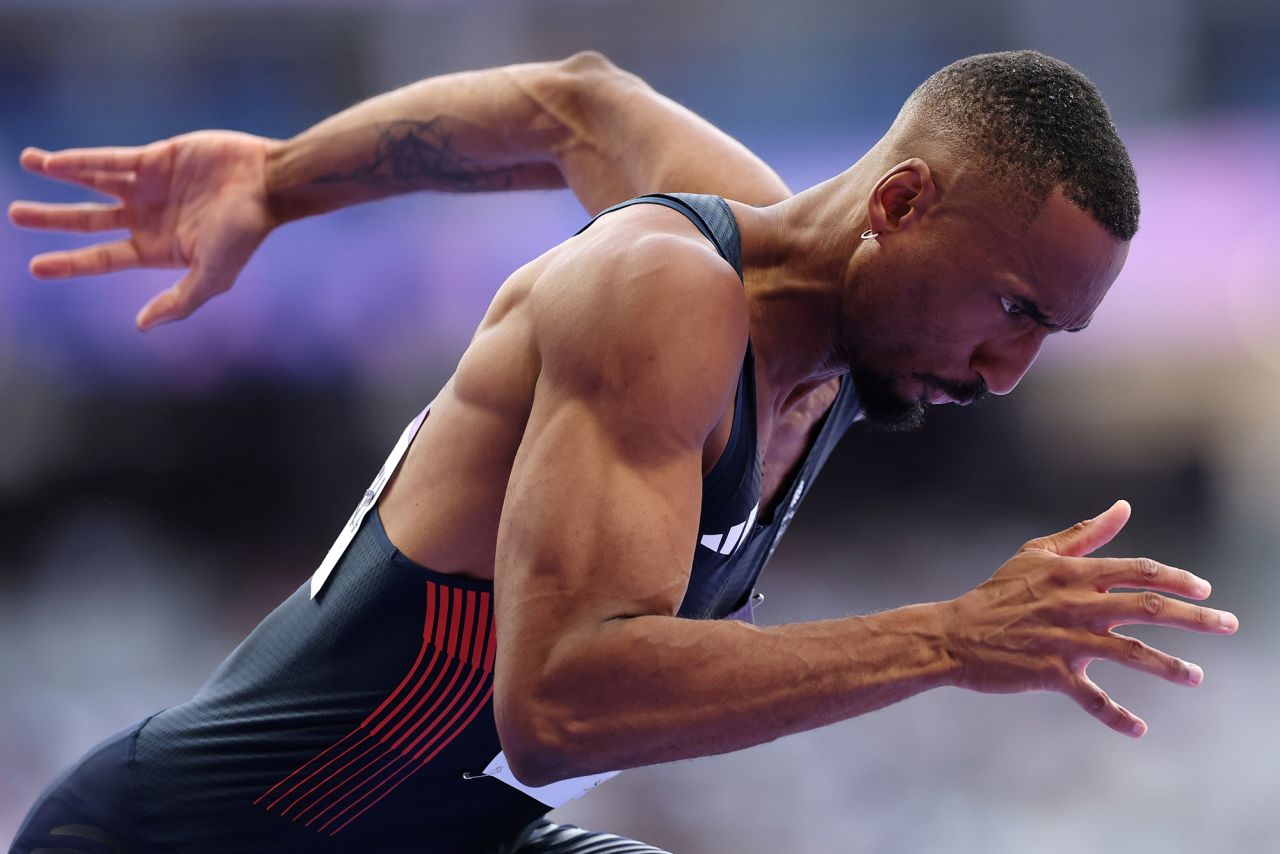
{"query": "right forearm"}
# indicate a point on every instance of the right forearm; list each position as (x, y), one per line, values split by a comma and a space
(466, 132)
(656, 689)
(580, 123)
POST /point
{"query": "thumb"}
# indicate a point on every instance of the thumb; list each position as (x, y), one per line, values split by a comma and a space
(1087, 536)
(169, 305)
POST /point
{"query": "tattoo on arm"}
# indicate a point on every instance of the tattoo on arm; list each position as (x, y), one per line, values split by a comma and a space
(420, 155)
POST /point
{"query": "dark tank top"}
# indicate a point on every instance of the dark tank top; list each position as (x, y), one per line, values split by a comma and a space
(734, 542)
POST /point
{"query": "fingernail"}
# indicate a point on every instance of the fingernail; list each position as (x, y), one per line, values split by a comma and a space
(1204, 588)
(1194, 674)
(1228, 621)
(1139, 729)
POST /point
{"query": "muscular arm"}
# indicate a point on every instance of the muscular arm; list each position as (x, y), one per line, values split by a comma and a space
(205, 201)
(581, 123)
(593, 671)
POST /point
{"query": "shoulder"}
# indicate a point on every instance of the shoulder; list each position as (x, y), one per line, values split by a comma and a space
(641, 310)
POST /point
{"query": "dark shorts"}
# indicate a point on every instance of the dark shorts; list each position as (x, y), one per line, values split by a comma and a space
(96, 808)
(547, 837)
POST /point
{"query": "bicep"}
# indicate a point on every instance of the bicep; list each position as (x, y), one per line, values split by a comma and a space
(638, 346)
(596, 525)
(638, 343)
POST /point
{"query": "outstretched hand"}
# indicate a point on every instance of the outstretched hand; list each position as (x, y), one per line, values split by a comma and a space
(196, 201)
(1049, 611)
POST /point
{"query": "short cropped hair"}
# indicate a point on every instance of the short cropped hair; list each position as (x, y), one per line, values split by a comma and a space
(1037, 122)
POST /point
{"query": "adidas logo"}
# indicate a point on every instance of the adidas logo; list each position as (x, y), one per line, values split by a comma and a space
(726, 543)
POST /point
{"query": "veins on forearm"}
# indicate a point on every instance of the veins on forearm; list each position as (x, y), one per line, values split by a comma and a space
(413, 154)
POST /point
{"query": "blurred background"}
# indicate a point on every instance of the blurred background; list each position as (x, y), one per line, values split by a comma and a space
(160, 493)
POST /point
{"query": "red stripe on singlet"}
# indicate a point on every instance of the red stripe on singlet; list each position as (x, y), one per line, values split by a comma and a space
(491, 650)
(441, 624)
(428, 723)
(430, 617)
(475, 708)
(453, 624)
(482, 609)
(462, 710)
(424, 725)
(459, 626)
(427, 625)
(464, 644)
(439, 618)
(444, 693)
(426, 629)
(436, 614)
(339, 784)
(389, 749)
(428, 720)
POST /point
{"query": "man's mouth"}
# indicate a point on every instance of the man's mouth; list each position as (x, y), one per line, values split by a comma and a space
(937, 396)
(937, 393)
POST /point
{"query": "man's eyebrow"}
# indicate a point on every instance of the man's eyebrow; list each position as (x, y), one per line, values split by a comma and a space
(1033, 311)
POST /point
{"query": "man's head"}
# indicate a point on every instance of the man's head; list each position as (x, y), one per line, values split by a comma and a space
(1003, 213)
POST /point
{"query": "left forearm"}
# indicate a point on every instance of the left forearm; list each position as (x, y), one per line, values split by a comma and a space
(659, 689)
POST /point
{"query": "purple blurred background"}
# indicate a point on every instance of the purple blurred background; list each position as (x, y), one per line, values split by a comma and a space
(160, 493)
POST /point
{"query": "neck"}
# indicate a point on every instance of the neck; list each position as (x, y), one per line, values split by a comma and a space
(800, 261)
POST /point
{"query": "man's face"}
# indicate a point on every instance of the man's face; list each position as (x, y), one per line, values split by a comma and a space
(959, 305)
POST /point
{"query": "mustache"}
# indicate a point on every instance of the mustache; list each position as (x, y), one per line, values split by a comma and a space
(965, 394)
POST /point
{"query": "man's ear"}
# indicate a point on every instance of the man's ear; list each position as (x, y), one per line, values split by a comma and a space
(901, 196)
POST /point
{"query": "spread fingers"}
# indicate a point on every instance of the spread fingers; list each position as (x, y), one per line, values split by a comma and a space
(89, 261)
(1132, 652)
(1141, 572)
(1095, 701)
(87, 217)
(1150, 608)
(71, 160)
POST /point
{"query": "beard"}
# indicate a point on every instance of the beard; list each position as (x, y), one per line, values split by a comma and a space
(885, 409)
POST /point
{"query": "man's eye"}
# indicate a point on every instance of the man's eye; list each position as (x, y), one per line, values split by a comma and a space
(1011, 308)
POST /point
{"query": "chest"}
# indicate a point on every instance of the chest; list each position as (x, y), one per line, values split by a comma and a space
(785, 439)
(740, 521)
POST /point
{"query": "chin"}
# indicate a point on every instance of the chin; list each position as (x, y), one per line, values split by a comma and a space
(884, 406)
(900, 420)
(893, 413)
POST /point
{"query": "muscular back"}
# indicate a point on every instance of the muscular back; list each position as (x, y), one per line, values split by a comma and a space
(604, 302)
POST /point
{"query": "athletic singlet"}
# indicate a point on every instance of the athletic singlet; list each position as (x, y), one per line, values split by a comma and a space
(362, 718)
(734, 543)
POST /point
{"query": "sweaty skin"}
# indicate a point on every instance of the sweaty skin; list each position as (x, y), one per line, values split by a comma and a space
(563, 458)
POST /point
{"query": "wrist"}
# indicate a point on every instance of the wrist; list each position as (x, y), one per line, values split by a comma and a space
(279, 180)
(938, 620)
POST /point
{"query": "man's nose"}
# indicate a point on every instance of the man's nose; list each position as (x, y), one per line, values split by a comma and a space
(1003, 364)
